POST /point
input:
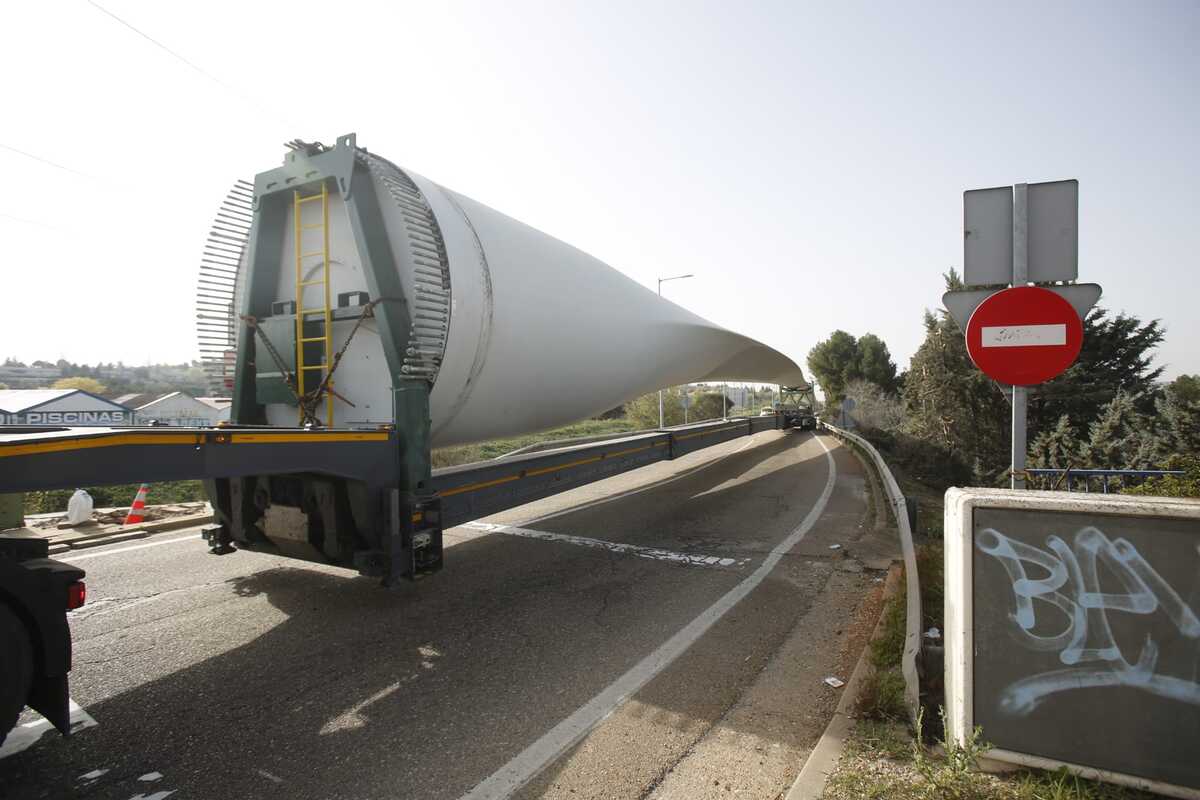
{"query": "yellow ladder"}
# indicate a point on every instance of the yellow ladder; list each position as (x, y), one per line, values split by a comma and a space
(309, 314)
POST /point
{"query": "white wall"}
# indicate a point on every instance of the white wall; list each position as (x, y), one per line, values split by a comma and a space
(178, 409)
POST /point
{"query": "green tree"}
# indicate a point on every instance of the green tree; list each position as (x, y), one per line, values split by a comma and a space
(1186, 485)
(841, 359)
(643, 411)
(875, 363)
(1186, 388)
(1177, 418)
(834, 362)
(1057, 448)
(705, 405)
(1120, 438)
(1116, 357)
(952, 404)
(85, 384)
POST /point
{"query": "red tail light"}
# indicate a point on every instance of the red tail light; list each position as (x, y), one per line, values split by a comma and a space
(76, 595)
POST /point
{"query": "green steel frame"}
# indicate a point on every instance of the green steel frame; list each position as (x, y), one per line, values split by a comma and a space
(339, 168)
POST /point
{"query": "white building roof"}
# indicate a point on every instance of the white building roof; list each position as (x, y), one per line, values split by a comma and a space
(15, 401)
(156, 399)
(139, 399)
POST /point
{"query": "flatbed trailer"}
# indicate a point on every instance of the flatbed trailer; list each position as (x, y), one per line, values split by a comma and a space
(335, 496)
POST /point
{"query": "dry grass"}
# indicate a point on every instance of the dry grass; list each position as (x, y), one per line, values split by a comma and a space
(882, 761)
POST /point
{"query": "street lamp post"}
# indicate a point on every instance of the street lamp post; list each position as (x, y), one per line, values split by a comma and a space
(661, 281)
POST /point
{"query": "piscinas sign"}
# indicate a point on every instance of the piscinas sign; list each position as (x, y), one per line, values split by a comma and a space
(60, 407)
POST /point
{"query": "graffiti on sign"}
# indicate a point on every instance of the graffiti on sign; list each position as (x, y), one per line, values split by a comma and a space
(1061, 608)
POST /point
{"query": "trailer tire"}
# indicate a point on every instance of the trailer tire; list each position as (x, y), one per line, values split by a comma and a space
(16, 669)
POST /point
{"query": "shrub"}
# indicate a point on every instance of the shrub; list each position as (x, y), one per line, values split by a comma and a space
(1186, 485)
(875, 409)
(883, 696)
(921, 459)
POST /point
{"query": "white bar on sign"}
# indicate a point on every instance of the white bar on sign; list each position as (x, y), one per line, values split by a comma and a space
(1025, 335)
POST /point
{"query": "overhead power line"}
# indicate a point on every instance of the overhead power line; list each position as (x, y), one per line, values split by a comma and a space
(164, 48)
(33, 222)
(252, 101)
(47, 161)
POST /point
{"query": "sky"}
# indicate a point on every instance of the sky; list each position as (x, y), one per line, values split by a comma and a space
(805, 161)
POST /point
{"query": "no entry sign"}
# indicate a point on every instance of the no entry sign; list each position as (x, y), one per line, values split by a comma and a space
(1024, 335)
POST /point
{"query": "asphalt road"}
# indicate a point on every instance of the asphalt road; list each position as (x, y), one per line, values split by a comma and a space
(661, 634)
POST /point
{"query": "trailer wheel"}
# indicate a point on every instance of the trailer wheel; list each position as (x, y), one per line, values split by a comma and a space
(16, 669)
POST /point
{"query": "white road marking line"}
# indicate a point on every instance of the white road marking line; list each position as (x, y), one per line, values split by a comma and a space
(1024, 335)
(691, 559)
(533, 759)
(84, 556)
(25, 736)
(352, 717)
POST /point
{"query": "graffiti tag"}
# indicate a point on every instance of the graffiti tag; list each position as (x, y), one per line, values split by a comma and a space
(1084, 642)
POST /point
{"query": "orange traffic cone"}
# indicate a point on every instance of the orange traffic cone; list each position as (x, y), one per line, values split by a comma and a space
(139, 505)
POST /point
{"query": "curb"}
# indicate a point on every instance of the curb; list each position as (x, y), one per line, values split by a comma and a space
(823, 760)
(141, 531)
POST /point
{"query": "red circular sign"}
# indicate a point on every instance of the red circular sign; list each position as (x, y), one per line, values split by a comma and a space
(1024, 335)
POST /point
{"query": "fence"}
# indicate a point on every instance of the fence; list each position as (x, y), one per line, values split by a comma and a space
(1105, 478)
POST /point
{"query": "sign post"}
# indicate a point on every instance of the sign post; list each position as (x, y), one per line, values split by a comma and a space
(1024, 335)
(847, 406)
(1020, 277)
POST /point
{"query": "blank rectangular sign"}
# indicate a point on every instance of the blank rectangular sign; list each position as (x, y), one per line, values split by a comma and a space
(1054, 231)
(988, 236)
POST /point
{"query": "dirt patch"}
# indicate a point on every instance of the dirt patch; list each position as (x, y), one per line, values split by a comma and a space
(113, 516)
(861, 625)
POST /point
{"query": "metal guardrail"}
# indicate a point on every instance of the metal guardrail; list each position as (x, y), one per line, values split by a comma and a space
(558, 444)
(471, 491)
(912, 631)
(1104, 475)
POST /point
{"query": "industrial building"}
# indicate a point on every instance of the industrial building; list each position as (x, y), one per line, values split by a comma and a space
(60, 407)
(175, 408)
